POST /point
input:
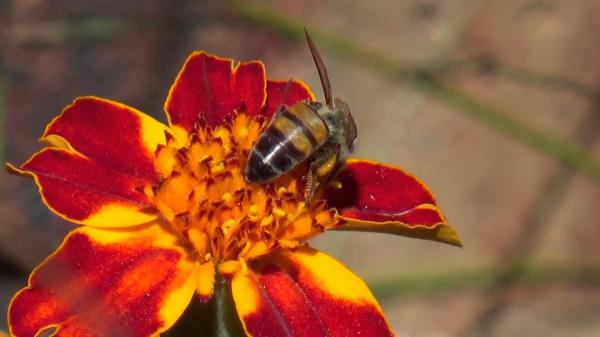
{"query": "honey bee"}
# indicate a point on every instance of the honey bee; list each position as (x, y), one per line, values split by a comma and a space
(321, 134)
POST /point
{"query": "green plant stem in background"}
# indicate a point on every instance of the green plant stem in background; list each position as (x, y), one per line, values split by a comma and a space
(491, 67)
(570, 155)
(426, 81)
(95, 28)
(521, 273)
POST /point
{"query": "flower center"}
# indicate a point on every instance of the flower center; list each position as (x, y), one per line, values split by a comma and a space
(205, 198)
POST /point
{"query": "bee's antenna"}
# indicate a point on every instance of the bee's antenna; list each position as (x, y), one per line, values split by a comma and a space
(321, 69)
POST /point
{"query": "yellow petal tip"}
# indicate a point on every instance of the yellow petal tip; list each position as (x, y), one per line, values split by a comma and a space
(12, 169)
(448, 234)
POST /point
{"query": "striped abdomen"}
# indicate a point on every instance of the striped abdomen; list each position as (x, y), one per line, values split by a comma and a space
(291, 137)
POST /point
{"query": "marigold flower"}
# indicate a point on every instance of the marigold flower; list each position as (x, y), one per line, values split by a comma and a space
(164, 208)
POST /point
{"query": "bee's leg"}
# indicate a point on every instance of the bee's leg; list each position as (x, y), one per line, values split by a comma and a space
(310, 185)
(321, 168)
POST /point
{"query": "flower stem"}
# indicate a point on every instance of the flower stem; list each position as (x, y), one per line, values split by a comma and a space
(215, 318)
(228, 323)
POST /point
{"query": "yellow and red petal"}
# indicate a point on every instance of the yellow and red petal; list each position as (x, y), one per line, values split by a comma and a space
(109, 133)
(305, 293)
(106, 283)
(211, 88)
(381, 198)
(286, 93)
(88, 192)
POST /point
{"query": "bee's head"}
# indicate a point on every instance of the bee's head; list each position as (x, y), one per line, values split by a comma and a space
(339, 108)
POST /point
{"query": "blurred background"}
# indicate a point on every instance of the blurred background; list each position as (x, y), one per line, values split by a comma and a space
(494, 104)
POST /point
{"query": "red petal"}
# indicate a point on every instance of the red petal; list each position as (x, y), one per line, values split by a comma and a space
(208, 86)
(110, 133)
(286, 93)
(376, 192)
(106, 283)
(81, 190)
(306, 293)
(377, 197)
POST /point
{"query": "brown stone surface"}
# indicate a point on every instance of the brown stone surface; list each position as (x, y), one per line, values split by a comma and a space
(548, 37)
(551, 312)
(572, 233)
(433, 316)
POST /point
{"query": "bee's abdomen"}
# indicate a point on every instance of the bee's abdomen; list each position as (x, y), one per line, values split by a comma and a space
(290, 139)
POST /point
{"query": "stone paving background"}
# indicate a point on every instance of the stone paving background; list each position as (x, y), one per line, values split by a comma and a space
(495, 104)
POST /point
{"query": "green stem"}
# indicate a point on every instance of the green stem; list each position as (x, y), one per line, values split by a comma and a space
(570, 155)
(215, 318)
(228, 323)
(521, 272)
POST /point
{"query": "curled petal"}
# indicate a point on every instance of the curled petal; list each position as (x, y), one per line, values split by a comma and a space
(87, 192)
(210, 88)
(106, 283)
(286, 93)
(305, 293)
(381, 198)
(109, 133)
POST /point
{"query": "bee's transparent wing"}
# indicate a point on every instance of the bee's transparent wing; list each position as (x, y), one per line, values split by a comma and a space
(349, 123)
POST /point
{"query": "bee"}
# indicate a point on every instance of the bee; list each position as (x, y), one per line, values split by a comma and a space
(321, 134)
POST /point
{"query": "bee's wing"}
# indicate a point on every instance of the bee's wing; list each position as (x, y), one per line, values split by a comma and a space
(349, 123)
(321, 69)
